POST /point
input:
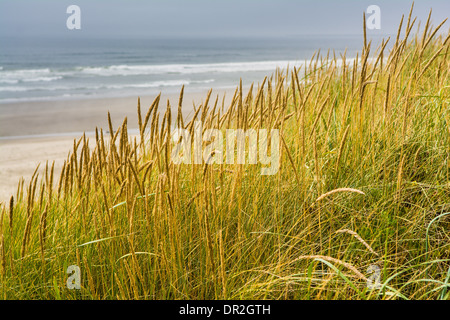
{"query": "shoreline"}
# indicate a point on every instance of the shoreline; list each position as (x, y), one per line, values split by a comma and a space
(32, 133)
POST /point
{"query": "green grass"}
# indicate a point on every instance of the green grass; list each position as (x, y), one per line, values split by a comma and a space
(141, 227)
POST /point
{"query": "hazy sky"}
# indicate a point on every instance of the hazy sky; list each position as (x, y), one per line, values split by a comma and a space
(206, 18)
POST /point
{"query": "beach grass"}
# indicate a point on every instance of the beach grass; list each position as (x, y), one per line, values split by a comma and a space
(359, 208)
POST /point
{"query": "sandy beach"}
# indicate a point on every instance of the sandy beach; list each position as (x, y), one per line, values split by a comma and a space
(32, 133)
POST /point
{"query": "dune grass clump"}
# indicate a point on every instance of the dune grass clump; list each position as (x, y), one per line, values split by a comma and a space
(363, 185)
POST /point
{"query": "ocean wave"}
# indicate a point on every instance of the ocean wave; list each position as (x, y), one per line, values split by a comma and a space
(44, 79)
(16, 80)
(154, 84)
(46, 74)
(29, 75)
(13, 89)
(157, 84)
(22, 73)
(134, 70)
(9, 81)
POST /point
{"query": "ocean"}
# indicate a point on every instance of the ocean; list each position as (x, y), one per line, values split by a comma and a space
(39, 69)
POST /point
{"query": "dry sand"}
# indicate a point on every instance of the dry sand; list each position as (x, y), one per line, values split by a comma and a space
(34, 132)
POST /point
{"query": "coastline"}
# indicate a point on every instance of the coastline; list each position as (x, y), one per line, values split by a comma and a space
(32, 133)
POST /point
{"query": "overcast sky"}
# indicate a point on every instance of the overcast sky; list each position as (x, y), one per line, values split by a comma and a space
(206, 18)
